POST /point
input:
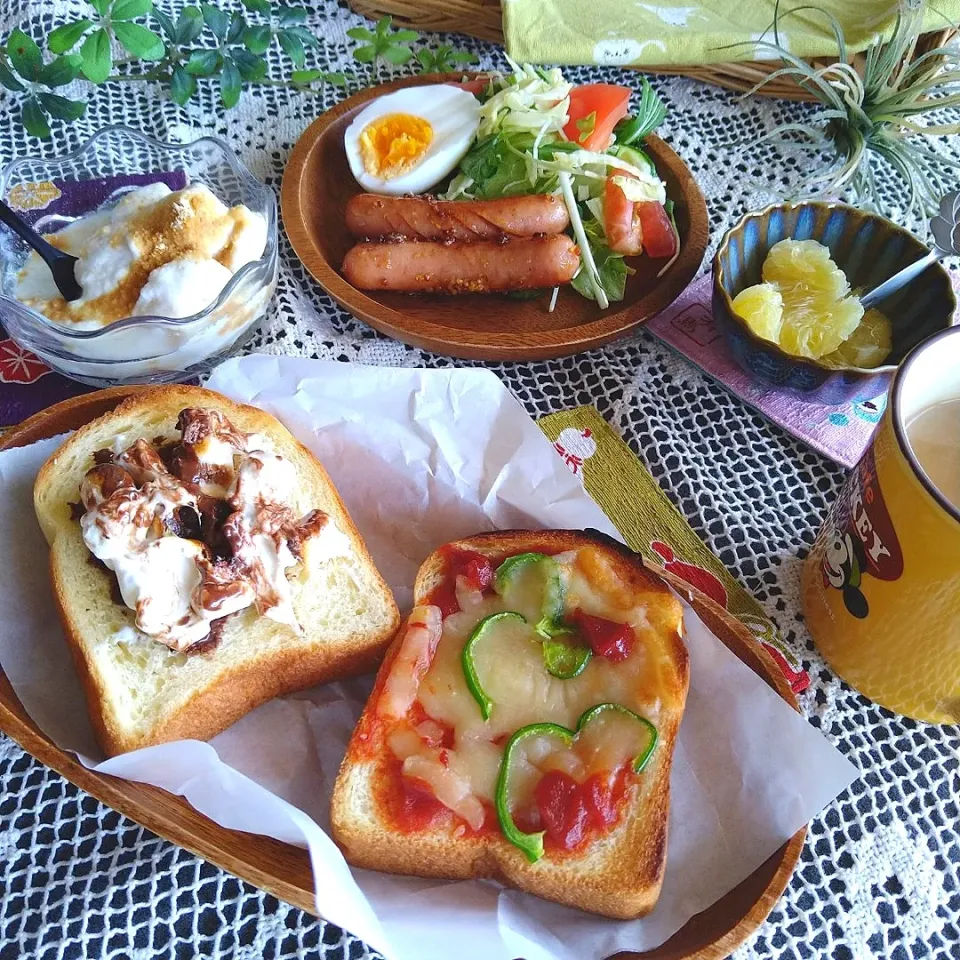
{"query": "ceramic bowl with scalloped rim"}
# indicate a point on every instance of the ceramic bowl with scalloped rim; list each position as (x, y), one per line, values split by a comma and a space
(869, 249)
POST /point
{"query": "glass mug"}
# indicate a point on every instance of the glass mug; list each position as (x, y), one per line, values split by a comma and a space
(881, 586)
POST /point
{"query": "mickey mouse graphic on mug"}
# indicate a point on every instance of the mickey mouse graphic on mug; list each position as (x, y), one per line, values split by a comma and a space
(843, 565)
(861, 540)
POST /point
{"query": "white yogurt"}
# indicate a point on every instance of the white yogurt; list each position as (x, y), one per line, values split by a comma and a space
(187, 285)
(154, 253)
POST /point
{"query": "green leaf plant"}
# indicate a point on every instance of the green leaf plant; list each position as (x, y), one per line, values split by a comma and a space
(204, 44)
(383, 46)
(23, 71)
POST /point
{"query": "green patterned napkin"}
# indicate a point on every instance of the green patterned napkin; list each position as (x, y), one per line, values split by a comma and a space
(650, 524)
(683, 33)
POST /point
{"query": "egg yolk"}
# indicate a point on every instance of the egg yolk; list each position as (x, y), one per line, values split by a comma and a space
(394, 144)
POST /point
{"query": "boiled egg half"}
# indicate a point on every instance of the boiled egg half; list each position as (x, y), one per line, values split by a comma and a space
(408, 141)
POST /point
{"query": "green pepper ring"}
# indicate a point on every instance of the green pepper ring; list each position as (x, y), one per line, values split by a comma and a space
(553, 593)
(532, 843)
(511, 564)
(470, 668)
(549, 626)
(577, 657)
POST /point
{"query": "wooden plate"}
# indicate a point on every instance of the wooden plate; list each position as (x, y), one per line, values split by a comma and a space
(317, 184)
(284, 870)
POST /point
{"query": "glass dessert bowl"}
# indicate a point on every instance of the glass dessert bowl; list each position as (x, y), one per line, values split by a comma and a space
(146, 348)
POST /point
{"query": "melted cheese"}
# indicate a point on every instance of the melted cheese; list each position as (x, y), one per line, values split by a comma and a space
(424, 632)
(509, 664)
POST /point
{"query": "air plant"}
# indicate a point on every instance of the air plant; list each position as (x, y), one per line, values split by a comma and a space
(887, 111)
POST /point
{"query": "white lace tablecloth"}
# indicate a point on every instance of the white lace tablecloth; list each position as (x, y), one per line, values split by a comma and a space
(880, 873)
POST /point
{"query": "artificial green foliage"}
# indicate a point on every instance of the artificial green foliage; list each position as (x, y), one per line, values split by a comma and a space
(383, 46)
(444, 59)
(203, 45)
(24, 71)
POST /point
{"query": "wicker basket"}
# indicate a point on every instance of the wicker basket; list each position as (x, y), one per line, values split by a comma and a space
(481, 18)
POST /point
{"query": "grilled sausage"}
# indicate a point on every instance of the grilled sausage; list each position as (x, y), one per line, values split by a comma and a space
(423, 218)
(481, 267)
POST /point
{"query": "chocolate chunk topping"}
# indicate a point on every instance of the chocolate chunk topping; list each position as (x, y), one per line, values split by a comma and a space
(196, 424)
(213, 515)
(221, 580)
(160, 486)
(143, 462)
(185, 523)
(185, 465)
(311, 524)
(181, 458)
(165, 451)
(105, 455)
(103, 481)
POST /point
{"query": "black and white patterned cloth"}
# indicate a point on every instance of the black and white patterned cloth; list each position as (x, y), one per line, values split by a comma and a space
(880, 873)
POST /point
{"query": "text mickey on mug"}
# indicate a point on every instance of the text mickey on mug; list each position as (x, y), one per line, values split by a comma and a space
(881, 587)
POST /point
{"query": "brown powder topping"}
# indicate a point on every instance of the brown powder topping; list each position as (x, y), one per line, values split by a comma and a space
(239, 219)
(188, 223)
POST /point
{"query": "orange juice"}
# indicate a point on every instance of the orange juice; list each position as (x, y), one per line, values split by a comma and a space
(881, 587)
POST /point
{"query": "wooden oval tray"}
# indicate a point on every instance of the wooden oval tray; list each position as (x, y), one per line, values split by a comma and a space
(317, 184)
(284, 870)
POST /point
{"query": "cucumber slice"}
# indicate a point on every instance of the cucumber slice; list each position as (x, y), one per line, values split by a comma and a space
(532, 843)
(467, 658)
(635, 157)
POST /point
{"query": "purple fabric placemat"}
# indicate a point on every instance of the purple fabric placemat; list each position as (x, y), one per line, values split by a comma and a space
(841, 433)
(27, 384)
(72, 198)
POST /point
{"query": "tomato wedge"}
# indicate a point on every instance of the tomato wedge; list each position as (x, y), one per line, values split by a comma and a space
(475, 86)
(659, 239)
(607, 102)
(620, 221)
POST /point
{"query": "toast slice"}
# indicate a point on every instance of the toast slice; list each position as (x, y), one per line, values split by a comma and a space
(379, 816)
(140, 691)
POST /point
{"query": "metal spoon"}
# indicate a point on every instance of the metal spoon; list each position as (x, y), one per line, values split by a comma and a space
(61, 264)
(946, 233)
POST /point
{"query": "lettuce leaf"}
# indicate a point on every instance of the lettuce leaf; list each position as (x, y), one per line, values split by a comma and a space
(611, 266)
(498, 166)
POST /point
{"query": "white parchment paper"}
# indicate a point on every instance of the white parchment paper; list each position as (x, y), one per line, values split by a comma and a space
(422, 457)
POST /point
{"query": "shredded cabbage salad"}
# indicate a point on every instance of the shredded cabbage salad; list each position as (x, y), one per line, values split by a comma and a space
(521, 148)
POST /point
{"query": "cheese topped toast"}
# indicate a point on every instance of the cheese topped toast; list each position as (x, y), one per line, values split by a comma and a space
(522, 725)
